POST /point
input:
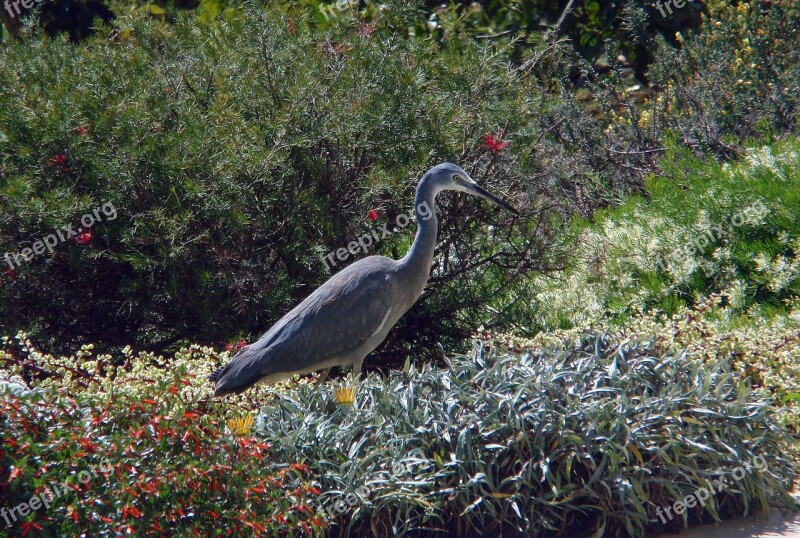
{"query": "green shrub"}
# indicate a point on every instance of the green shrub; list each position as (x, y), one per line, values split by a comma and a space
(145, 466)
(764, 351)
(237, 154)
(127, 373)
(591, 26)
(591, 439)
(705, 229)
(738, 78)
(409, 455)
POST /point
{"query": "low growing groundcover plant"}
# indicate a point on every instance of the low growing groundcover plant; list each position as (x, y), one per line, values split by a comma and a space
(574, 433)
(587, 440)
(90, 463)
(764, 350)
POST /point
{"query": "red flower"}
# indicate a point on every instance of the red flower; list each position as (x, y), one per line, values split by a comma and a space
(131, 510)
(84, 130)
(14, 474)
(494, 145)
(87, 444)
(291, 25)
(28, 525)
(84, 237)
(236, 347)
(373, 215)
(59, 160)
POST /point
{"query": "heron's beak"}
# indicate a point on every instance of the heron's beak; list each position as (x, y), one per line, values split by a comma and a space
(483, 193)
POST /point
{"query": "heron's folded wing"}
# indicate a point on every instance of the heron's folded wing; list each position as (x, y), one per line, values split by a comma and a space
(334, 321)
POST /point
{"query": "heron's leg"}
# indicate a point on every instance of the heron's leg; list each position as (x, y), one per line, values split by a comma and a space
(357, 369)
(323, 376)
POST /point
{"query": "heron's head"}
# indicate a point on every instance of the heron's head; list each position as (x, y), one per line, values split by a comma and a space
(449, 177)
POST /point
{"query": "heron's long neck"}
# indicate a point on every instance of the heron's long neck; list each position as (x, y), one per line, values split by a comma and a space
(416, 265)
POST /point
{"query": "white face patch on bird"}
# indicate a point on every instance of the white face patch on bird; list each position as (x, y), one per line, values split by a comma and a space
(462, 182)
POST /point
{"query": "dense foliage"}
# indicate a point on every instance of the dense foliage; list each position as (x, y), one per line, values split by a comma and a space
(765, 351)
(703, 230)
(588, 23)
(588, 440)
(150, 462)
(237, 159)
(568, 431)
(238, 153)
(737, 79)
(181, 177)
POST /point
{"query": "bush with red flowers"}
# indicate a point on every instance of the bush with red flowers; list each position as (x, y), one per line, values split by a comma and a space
(228, 194)
(112, 464)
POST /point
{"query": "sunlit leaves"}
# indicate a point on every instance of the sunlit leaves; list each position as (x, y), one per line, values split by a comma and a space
(592, 435)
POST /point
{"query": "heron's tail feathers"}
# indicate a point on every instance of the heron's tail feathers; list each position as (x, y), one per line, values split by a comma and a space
(216, 374)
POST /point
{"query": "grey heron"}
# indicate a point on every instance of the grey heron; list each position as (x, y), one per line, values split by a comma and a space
(347, 317)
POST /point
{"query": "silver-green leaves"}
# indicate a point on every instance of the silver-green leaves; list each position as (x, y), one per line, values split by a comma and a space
(590, 438)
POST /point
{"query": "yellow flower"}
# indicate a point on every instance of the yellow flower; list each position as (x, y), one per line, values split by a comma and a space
(240, 426)
(345, 396)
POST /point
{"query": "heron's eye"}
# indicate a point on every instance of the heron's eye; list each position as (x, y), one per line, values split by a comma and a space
(456, 178)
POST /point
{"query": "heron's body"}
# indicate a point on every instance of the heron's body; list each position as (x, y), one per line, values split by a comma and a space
(349, 315)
